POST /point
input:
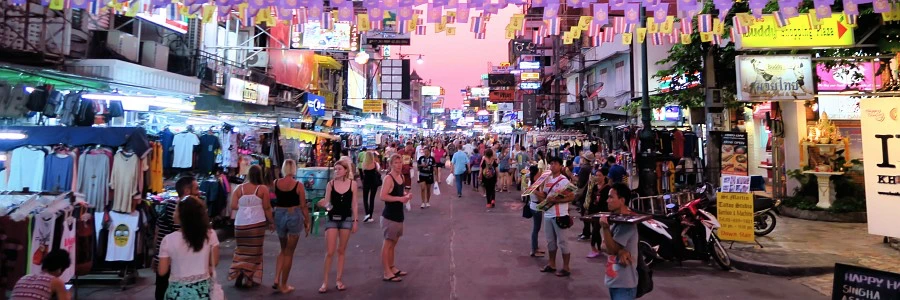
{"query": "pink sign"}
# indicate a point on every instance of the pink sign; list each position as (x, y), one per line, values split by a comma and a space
(841, 78)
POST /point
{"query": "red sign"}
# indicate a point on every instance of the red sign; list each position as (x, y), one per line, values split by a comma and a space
(501, 96)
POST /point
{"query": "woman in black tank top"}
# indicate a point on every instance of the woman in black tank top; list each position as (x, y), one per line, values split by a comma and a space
(290, 213)
(393, 195)
(341, 203)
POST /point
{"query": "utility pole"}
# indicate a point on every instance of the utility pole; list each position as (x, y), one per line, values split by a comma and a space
(646, 159)
(556, 78)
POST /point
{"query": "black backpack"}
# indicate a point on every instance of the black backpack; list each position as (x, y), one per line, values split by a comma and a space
(645, 277)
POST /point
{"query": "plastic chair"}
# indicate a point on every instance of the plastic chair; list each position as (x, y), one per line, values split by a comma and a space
(315, 212)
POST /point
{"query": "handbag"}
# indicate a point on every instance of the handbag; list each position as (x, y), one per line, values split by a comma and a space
(564, 222)
(526, 209)
(645, 277)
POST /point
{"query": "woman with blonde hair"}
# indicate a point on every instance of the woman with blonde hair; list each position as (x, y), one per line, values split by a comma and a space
(254, 215)
(291, 213)
(341, 202)
(371, 181)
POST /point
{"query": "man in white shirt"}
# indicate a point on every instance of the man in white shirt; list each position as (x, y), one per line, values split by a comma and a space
(469, 148)
(554, 234)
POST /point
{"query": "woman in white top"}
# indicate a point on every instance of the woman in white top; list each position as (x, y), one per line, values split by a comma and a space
(191, 254)
(254, 215)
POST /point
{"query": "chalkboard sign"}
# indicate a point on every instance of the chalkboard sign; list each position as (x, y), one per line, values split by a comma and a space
(852, 283)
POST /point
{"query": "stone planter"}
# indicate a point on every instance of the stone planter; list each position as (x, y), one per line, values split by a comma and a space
(819, 215)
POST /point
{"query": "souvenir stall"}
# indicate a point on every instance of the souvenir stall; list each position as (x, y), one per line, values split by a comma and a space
(110, 168)
(310, 148)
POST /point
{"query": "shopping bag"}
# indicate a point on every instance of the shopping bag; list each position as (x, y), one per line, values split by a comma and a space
(451, 179)
(436, 190)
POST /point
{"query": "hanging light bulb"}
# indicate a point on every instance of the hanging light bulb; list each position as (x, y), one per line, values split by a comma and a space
(420, 60)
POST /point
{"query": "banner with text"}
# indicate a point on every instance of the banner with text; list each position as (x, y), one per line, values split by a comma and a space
(374, 106)
(774, 77)
(733, 153)
(881, 144)
(529, 110)
(735, 213)
(853, 282)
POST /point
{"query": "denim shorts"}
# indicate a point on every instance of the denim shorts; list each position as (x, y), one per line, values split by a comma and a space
(347, 223)
(288, 220)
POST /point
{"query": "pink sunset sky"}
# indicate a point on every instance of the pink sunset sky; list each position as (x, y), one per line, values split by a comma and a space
(454, 62)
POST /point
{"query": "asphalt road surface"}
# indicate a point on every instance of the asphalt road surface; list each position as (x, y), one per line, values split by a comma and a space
(458, 249)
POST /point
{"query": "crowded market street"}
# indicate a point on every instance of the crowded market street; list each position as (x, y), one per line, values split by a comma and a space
(458, 249)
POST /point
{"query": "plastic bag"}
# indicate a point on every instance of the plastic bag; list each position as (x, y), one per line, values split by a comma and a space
(436, 190)
(451, 180)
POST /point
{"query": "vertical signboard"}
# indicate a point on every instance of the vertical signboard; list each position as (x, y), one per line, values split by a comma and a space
(733, 153)
(529, 110)
(881, 146)
(735, 213)
(395, 79)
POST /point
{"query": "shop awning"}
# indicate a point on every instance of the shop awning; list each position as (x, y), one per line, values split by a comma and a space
(328, 62)
(36, 76)
(133, 137)
(305, 135)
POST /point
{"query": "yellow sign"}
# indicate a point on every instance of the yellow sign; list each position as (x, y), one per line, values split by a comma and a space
(375, 106)
(505, 64)
(492, 107)
(531, 76)
(830, 32)
(736, 216)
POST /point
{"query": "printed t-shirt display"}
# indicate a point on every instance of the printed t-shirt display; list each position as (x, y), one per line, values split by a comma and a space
(58, 169)
(123, 180)
(26, 169)
(206, 161)
(184, 143)
(93, 178)
(122, 233)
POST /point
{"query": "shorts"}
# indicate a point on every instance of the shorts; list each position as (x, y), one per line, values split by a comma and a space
(504, 170)
(426, 179)
(288, 220)
(392, 230)
(347, 223)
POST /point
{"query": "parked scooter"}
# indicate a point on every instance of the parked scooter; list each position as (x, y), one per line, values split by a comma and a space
(689, 233)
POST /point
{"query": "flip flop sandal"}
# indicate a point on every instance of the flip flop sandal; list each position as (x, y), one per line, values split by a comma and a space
(340, 287)
(400, 273)
(563, 273)
(547, 269)
(394, 278)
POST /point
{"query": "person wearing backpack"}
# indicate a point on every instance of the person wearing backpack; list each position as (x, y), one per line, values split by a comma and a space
(489, 177)
(621, 240)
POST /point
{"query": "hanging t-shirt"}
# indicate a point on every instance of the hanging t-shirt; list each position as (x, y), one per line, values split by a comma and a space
(68, 244)
(122, 229)
(184, 149)
(209, 144)
(41, 240)
(58, 169)
(124, 181)
(93, 178)
(26, 169)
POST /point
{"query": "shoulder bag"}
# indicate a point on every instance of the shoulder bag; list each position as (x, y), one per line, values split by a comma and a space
(564, 222)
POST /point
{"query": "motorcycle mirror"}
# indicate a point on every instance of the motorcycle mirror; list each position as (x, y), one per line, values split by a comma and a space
(670, 205)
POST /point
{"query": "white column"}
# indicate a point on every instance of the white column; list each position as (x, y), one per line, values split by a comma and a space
(793, 115)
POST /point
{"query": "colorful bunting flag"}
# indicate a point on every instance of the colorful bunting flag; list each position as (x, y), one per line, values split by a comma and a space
(594, 30)
(627, 38)
(780, 20)
(601, 13)
(619, 24)
(632, 13)
(660, 11)
(462, 13)
(420, 29)
(724, 6)
(537, 37)
(704, 23)
(480, 35)
(686, 26)
(451, 31)
(656, 39)
(596, 40)
(823, 8)
(609, 35)
(553, 26)
(641, 35)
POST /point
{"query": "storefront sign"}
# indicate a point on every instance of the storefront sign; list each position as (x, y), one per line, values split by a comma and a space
(501, 80)
(162, 16)
(800, 33)
(529, 85)
(502, 96)
(733, 153)
(430, 90)
(774, 77)
(437, 110)
(529, 65)
(668, 113)
(735, 213)
(529, 110)
(492, 107)
(847, 77)
(374, 106)
(531, 76)
(853, 282)
(312, 36)
(839, 107)
(316, 104)
(246, 91)
(480, 92)
(880, 125)
(507, 107)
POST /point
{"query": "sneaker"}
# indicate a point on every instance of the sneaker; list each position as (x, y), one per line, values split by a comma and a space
(422, 206)
(492, 204)
(488, 205)
(367, 218)
(458, 195)
(427, 204)
(593, 254)
(583, 237)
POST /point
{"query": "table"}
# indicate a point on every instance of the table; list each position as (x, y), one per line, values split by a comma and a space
(826, 187)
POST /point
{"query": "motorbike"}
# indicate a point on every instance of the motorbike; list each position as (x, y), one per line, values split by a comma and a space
(688, 233)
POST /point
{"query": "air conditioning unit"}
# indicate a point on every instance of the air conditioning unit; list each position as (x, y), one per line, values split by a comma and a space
(123, 44)
(259, 60)
(154, 55)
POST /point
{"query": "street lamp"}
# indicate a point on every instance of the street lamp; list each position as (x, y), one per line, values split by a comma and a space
(420, 60)
(362, 57)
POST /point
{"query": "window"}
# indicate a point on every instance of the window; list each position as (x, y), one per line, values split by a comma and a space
(621, 82)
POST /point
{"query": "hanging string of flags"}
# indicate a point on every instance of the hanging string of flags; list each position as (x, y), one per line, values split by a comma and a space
(371, 15)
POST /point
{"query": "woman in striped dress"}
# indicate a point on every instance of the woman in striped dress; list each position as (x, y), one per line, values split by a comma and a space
(254, 215)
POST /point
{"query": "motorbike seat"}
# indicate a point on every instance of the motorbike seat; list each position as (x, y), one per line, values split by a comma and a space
(762, 203)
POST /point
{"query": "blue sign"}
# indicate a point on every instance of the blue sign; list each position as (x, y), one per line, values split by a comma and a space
(316, 105)
(529, 85)
(484, 118)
